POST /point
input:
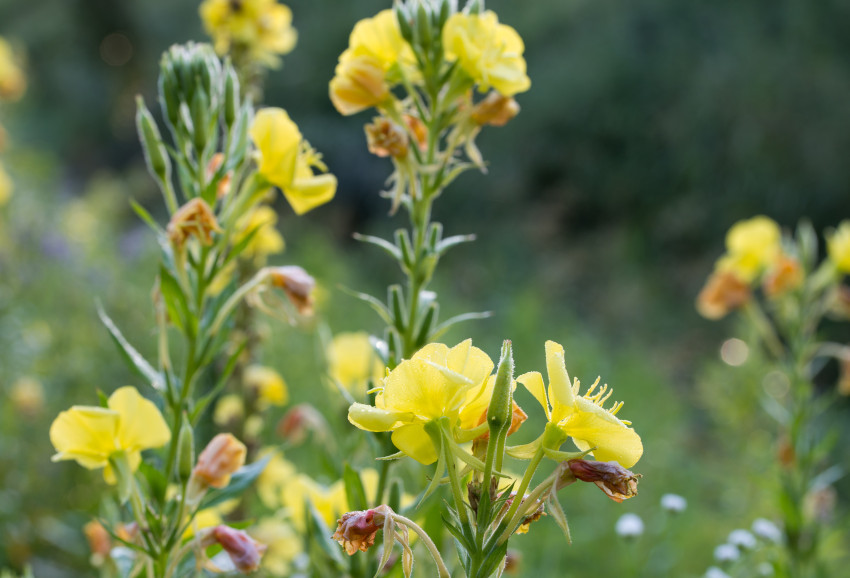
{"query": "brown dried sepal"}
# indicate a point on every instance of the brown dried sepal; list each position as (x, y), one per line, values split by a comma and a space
(356, 530)
(194, 219)
(617, 482)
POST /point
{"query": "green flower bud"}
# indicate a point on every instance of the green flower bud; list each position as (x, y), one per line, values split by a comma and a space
(475, 6)
(168, 93)
(396, 300)
(200, 110)
(500, 410)
(185, 451)
(423, 27)
(156, 156)
(404, 22)
(231, 97)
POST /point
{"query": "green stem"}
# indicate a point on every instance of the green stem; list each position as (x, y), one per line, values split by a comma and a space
(454, 479)
(426, 539)
(523, 486)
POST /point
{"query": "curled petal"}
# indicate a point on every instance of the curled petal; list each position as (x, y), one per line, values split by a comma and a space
(375, 419)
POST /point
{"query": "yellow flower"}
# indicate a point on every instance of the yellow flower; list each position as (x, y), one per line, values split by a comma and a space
(287, 161)
(353, 362)
(838, 246)
(489, 52)
(267, 240)
(358, 84)
(374, 47)
(91, 435)
(270, 387)
(6, 187)
(284, 545)
(752, 246)
(276, 476)
(13, 83)
(330, 502)
(582, 417)
(263, 27)
(229, 409)
(433, 384)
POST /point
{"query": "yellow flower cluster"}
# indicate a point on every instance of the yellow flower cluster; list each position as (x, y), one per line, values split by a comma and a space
(754, 254)
(261, 223)
(490, 54)
(263, 28)
(287, 161)
(13, 83)
(439, 382)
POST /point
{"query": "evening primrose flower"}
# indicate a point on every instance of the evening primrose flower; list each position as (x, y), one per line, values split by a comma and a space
(261, 221)
(837, 245)
(287, 161)
(92, 435)
(352, 361)
(374, 48)
(262, 27)
(723, 292)
(269, 385)
(583, 418)
(433, 384)
(489, 52)
(752, 245)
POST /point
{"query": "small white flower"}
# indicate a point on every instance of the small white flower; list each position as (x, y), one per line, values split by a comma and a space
(765, 569)
(673, 503)
(715, 572)
(742, 539)
(767, 530)
(629, 526)
(726, 553)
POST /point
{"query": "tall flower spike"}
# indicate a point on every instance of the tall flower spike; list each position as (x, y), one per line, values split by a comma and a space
(583, 417)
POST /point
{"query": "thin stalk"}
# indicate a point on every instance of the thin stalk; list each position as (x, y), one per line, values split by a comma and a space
(426, 539)
(523, 485)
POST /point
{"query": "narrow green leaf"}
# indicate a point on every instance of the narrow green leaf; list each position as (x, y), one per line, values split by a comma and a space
(391, 249)
(354, 491)
(133, 357)
(379, 307)
(239, 482)
(145, 216)
(448, 323)
(453, 241)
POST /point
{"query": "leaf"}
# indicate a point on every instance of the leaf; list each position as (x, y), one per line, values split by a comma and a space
(320, 534)
(448, 323)
(557, 512)
(453, 241)
(145, 216)
(133, 357)
(391, 249)
(463, 541)
(240, 482)
(157, 482)
(354, 491)
(174, 298)
(492, 561)
(379, 307)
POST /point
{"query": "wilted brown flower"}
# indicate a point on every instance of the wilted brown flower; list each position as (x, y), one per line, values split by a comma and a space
(495, 110)
(245, 552)
(386, 139)
(194, 219)
(356, 530)
(297, 284)
(785, 275)
(220, 459)
(301, 420)
(617, 482)
(722, 293)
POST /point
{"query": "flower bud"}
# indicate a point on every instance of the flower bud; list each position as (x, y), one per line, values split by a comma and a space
(231, 96)
(500, 410)
(673, 503)
(300, 421)
(418, 129)
(629, 526)
(617, 482)
(723, 292)
(245, 552)
(194, 219)
(185, 450)
(222, 457)
(495, 110)
(156, 156)
(386, 139)
(356, 530)
(100, 543)
(297, 284)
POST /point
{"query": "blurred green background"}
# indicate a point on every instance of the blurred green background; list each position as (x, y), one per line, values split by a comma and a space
(651, 126)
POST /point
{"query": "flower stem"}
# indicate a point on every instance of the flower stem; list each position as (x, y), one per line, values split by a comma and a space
(429, 543)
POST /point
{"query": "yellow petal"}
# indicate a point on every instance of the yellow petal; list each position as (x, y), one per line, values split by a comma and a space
(380, 37)
(307, 193)
(86, 434)
(416, 443)
(376, 419)
(141, 425)
(593, 426)
(561, 394)
(278, 140)
(533, 382)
